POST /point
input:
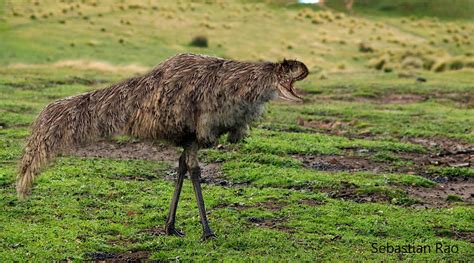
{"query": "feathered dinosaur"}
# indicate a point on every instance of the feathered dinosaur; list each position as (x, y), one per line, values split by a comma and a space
(189, 100)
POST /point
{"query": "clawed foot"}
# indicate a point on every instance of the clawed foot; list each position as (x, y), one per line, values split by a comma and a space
(208, 236)
(171, 231)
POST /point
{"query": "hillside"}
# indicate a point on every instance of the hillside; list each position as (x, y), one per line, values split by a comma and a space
(145, 34)
(455, 9)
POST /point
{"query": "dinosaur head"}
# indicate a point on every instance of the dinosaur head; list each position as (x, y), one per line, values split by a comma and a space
(290, 71)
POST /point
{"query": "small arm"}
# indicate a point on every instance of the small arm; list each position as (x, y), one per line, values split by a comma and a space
(238, 134)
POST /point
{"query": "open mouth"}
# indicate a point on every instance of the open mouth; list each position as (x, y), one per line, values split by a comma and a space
(287, 92)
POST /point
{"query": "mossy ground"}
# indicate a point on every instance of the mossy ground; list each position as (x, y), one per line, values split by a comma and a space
(267, 200)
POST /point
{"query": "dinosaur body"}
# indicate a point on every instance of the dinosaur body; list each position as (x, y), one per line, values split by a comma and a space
(189, 100)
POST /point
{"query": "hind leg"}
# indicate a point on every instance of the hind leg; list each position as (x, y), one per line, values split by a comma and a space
(195, 171)
(182, 169)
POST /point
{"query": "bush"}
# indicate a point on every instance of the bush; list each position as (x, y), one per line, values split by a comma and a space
(412, 62)
(365, 48)
(378, 63)
(456, 64)
(199, 41)
(439, 66)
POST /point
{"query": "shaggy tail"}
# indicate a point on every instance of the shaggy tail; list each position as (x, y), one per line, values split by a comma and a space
(61, 126)
(35, 156)
(49, 136)
(68, 123)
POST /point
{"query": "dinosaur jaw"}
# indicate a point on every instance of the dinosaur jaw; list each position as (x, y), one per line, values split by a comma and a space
(287, 92)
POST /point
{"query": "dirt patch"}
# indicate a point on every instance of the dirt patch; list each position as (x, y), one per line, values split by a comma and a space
(455, 234)
(349, 129)
(462, 99)
(348, 163)
(448, 190)
(380, 99)
(445, 153)
(331, 126)
(272, 204)
(310, 202)
(402, 98)
(449, 154)
(443, 194)
(442, 146)
(155, 231)
(353, 160)
(211, 174)
(129, 257)
(385, 99)
(121, 240)
(423, 164)
(350, 191)
(353, 195)
(128, 151)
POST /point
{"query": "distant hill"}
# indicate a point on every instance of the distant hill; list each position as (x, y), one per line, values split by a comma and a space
(108, 32)
(451, 9)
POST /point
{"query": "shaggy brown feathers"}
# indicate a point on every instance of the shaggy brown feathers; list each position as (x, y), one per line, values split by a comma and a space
(185, 98)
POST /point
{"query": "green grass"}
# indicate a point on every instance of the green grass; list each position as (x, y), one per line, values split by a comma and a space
(65, 218)
(274, 206)
(274, 176)
(439, 109)
(310, 143)
(452, 171)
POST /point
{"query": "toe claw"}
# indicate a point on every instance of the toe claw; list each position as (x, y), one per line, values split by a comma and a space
(208, 236)
(171, 231)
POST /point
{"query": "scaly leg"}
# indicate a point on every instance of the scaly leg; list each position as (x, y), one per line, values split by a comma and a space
(182, 169)
(195, 171)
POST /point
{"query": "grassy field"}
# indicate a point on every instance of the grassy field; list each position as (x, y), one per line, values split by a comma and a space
(379, 154)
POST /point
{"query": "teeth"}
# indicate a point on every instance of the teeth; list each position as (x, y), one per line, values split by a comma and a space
(292, 91)
(289, 95)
